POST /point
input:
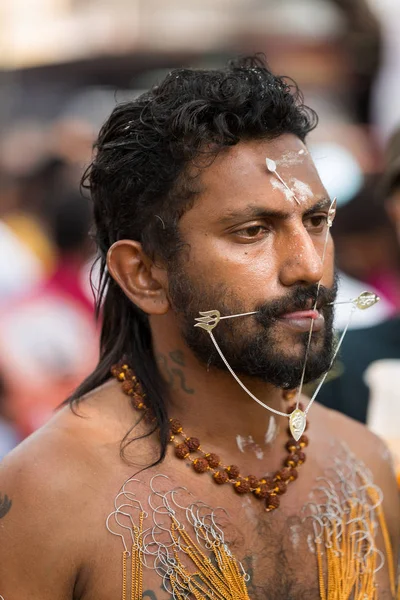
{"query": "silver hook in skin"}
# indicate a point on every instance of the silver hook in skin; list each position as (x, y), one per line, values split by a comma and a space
(174, 491)
(378, 491)
(130, 496)
(152, 480)
(125, 514)
(114, 532)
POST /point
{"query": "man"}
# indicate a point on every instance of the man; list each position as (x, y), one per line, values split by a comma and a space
(192, 218)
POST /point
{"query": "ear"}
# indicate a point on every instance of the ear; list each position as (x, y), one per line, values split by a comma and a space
(136, 274)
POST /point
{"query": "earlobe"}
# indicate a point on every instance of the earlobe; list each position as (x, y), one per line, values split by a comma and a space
(135, 273)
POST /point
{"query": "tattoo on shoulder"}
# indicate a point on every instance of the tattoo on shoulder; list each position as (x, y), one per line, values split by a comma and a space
(175, 374)
(149, 594)
(5, 505)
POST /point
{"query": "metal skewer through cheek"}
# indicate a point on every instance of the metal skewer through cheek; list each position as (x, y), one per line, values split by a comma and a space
(331, 214)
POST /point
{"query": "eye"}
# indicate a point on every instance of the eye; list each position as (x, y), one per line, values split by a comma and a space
(252, 232)
(316, 223)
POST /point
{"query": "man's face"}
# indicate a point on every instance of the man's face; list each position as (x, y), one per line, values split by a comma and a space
(252, 247)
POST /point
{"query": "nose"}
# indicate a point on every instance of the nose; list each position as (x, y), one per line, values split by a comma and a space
(301, 258)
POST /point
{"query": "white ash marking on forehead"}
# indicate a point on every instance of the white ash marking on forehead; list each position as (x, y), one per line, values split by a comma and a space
(289, 159)
(277, 185)
(301, 189)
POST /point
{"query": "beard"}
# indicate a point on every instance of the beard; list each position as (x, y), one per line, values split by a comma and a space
(258, 345)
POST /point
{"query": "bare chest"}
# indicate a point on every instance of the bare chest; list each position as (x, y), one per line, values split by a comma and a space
(273, 553)
(160, 540)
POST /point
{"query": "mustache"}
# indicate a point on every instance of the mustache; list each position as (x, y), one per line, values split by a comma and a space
(301, 298)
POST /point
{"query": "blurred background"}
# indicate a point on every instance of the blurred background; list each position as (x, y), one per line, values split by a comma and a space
(64, 64)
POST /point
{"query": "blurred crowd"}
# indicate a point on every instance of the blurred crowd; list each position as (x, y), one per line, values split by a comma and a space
(48, 334)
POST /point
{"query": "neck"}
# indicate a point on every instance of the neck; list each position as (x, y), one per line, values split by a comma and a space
(213, 407)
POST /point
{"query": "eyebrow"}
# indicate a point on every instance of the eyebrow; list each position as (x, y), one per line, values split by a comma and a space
(254, 211)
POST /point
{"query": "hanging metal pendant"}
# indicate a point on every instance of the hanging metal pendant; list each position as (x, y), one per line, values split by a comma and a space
(365, 300)
(297, 423)
(208, 320)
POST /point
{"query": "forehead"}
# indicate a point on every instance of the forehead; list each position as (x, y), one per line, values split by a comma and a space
(239, 177)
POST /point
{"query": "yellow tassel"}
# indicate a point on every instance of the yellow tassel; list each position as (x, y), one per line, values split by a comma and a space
(124, 571)
(345, 578)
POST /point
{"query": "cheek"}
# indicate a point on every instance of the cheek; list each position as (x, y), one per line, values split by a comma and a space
(250, 270)
(329, 264)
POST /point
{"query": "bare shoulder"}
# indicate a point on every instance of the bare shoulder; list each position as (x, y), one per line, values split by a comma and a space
(372, 451)
(367, 446)
(33, 491)
(47, 490)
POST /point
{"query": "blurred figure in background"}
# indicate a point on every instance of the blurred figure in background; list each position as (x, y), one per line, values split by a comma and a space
(391, 182)
(20, 269)
(367, 386)
(366, 245)
(27, 253)
(363, 44)
(50, 337)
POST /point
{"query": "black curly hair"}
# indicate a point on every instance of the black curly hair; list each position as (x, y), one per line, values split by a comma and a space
(143, 167)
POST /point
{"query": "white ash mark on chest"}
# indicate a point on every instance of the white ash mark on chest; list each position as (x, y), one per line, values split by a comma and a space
(246, 444)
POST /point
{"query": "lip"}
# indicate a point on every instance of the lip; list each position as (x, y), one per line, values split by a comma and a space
(301, 320)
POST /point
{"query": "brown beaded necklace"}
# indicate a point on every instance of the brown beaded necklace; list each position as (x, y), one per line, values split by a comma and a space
(268, 488)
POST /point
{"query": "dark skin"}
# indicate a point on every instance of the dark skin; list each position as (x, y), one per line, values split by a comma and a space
(62, 481)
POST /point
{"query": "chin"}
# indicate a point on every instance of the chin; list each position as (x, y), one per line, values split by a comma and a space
(294, 352)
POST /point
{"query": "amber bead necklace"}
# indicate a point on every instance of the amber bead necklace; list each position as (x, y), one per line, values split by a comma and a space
(267, 488)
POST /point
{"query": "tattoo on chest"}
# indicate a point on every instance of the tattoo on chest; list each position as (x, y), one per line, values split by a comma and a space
(5, 505)
(173, 371)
